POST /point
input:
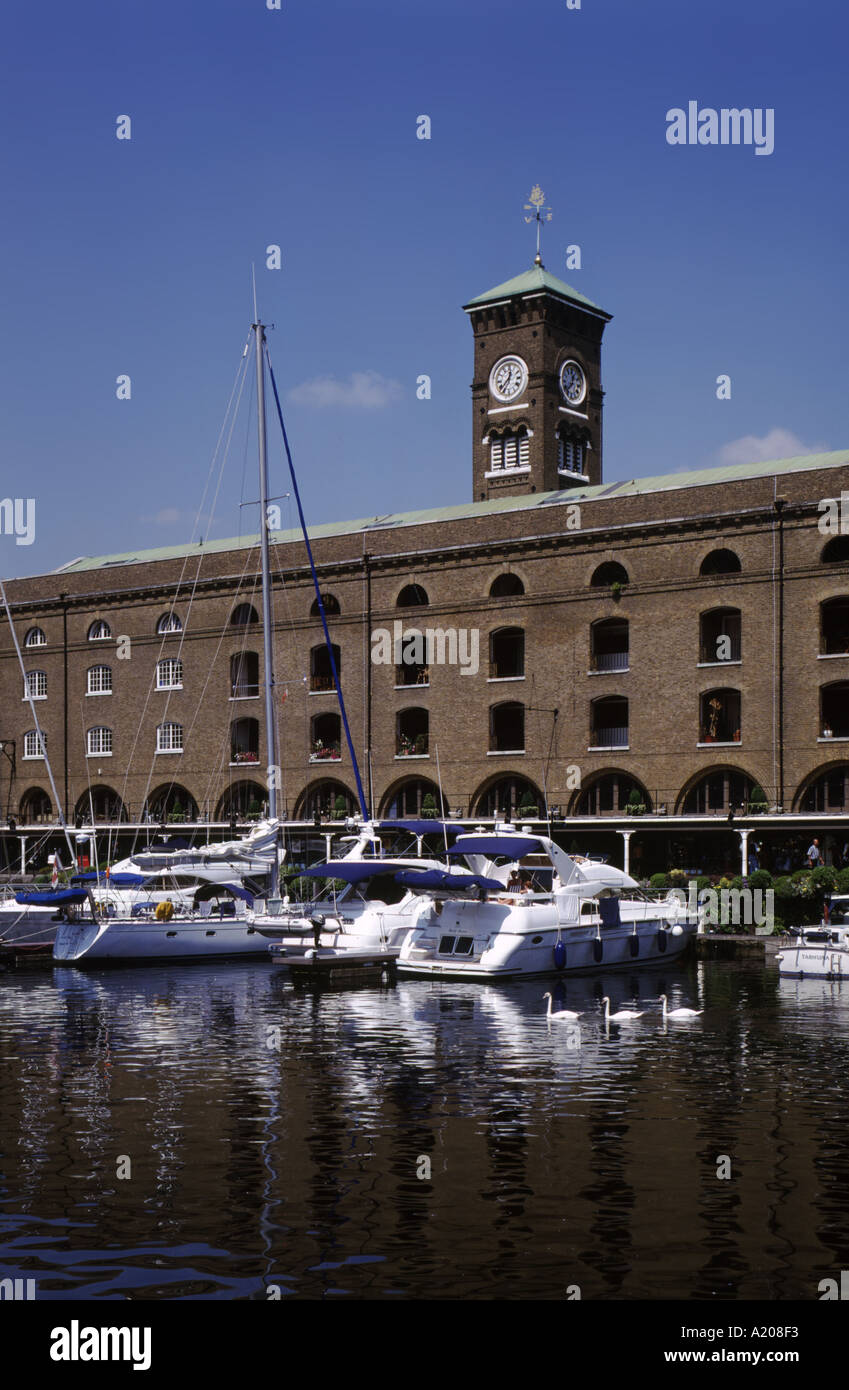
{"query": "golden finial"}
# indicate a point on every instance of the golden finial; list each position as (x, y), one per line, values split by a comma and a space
(541, 213)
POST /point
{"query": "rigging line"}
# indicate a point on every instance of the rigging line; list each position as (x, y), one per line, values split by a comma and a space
(41, 742)
(343, 711)
(241, 371)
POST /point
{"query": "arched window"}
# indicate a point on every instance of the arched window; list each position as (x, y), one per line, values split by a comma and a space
(321, 671)
(36, 808)
(719, 636)
(330, 800)
(35, 687)
(34, 747)
(169, 738)
(717, 791)
(35, 638)
(827, 790)
(99, 742)
(609, 573)
(104, 803)
(834, 710)
(609, 722)
(243, 801)
(412, 596)
(506, 586)
(509, 798)
(834, 627)
(325, 738)
(510, 450)
(169, 622)
(720, 562)
(571, 451)
(411, 733)
(331, 606)
(836, 552)
(169, 674)
(244, 741)
(507, 654)
(170, 803)
(609, 645)
(612, 794)
(244, 676)
(243, 615)
(507, 728)
(719, 717)
(99, 680)
(413, 799)
(99, 631)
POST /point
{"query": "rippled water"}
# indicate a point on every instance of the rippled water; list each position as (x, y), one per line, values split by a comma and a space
(557, 1156)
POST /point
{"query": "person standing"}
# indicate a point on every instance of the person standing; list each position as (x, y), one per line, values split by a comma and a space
(814, 856)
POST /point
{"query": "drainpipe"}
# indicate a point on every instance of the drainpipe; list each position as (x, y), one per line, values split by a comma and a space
(64, 598)
(367, 570)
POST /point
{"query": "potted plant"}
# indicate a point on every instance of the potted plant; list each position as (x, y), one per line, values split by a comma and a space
(429, 806)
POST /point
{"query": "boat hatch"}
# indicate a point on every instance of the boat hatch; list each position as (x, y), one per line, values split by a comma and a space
(456, 945)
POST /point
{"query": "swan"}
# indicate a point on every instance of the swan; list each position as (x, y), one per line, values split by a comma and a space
(623, 1016)
(678, 1013)
(561, 1013)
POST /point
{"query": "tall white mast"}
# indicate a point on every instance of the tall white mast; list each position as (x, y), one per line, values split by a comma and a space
(273, 770)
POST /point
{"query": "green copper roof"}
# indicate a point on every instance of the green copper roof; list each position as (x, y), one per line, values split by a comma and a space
(531, 282)
(665, 482)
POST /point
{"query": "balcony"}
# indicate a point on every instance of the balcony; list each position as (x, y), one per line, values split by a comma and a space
(321, 684)
(601, 662)
(609, 738)
(410, 674)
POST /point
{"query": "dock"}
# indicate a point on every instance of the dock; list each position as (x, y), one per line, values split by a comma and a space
(345, 968)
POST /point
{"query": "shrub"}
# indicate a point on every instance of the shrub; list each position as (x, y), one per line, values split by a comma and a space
(677, 878)
(824, 878)
(429, 806)
(843, 880)
(659, 883)
(703, 881)
(340, 807)
(757, 801)
(761, 878)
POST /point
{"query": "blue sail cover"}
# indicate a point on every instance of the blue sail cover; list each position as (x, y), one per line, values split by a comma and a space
(51, 897)
(508, 846)
(350, 870)
(238, 892)
(122, 880)
(434, 880)
(423, 827)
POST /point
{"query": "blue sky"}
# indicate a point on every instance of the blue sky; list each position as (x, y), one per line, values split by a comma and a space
(297, 127)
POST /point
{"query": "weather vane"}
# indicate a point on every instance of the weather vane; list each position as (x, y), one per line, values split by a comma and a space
(541, 214)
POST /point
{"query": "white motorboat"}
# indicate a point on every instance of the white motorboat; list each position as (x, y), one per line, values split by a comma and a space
(565, 915)
(820, 952)
(367, 901)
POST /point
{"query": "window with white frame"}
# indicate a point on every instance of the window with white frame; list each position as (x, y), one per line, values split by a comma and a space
(99, 631)
(99, 680)
(169, 622)
(169, 674)
(169, 738)
(99, 742)
(35, 638)
(510, 450)
(35, 687)
(34, 746)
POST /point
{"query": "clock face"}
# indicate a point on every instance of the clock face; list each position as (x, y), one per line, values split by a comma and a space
(508, 378)
(573, 383)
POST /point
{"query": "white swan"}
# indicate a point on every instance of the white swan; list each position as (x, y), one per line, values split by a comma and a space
(561, 1013)
(623, 1016)
(678, 1013)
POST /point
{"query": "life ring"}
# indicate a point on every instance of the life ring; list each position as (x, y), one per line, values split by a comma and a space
(164, 911)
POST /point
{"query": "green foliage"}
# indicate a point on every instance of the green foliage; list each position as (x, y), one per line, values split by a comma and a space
(843, 880)
(703, 881)
(758, 802)
(429, 806)
(824, 879)
(678, 878)
(659, 883)
(340, 807)
(761, 878)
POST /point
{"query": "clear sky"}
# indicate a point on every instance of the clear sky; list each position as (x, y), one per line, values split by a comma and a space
(297, 127)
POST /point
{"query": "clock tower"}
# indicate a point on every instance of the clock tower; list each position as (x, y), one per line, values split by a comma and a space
(536, 395)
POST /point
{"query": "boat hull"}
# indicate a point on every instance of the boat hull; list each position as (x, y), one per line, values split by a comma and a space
(136, 942)
(817, 962)
(580, 951)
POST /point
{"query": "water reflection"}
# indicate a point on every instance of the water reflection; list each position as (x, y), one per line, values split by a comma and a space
(207, 1132)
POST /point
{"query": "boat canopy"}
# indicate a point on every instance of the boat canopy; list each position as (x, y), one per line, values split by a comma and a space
(351, 870)
(120, 880)
(51, 897)
(423, 827)
(430, 879)
(510, 846)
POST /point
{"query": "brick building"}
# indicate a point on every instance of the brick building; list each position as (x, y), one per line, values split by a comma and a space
(652, 654)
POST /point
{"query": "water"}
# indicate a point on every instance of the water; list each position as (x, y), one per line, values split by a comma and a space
(556, 1158)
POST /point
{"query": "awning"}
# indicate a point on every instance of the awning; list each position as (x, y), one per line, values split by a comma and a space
(508, 846)
(434, 880)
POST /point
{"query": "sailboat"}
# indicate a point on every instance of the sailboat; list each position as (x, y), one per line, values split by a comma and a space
(200, 929)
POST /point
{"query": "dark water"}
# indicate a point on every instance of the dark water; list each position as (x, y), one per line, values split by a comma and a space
(556, 1158)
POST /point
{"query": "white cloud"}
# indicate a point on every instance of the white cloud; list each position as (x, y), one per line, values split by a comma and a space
(777, 444)
(361, 391)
